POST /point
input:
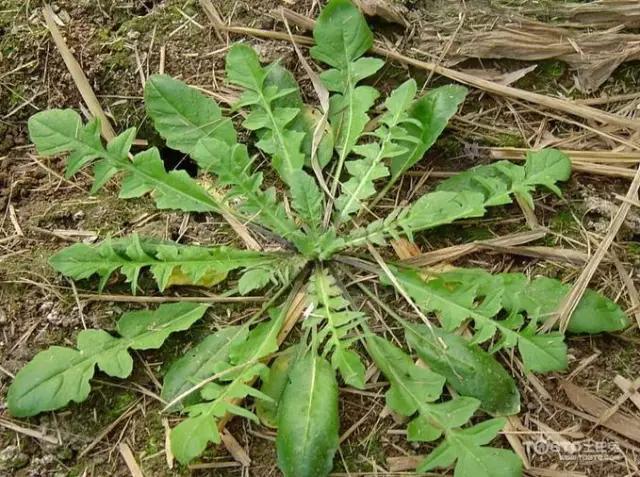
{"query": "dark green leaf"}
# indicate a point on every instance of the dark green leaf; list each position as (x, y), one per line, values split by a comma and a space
(273, 386)
(308, 419)
(199, 363)
(469, 369)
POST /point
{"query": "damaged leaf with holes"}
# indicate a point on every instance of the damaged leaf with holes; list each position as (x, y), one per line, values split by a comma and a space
(315, 220)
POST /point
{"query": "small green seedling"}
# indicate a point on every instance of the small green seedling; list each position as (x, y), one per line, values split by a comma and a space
(331, 165)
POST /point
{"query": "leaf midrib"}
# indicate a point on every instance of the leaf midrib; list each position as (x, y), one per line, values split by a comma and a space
(353, 196)
(307, 424)
(279, 134)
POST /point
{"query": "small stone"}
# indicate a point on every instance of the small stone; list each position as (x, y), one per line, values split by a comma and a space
(54, 317)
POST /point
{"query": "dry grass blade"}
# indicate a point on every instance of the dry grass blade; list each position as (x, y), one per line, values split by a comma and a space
(602, 13)
(133, 408)
(619, 158)
(626, 386)
(545, 253)
(513, 426)
(391, 11)
(29, 432)
(167, 443)
(593, 54)
(632, 291)
(77, 74)
(235, 449)
(595, 407)
(404, 463)
(323, 97)
(213, 16)
(130, 460)
(591, 162)
(554, 473)
(571, 301)
(631, 389)
(387, 271)
(457, 251)
(603, 170)
(569, 107)
(404, 249)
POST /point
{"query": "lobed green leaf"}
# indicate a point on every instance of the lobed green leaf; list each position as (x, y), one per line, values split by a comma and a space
(55, 131)
(330, 312)
(430, 115)
(342, 36)
(468, 369)
(232, 166)
(58, 375)
(169, 263)
(465, 195)
(390, 134)
(277, 137)
(479, 296)
(235, 375)
(412, 392)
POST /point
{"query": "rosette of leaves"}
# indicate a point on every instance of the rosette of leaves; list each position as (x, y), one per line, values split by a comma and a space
(364, 156)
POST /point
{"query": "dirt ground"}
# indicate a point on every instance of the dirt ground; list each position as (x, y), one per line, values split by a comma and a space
(118, 44)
